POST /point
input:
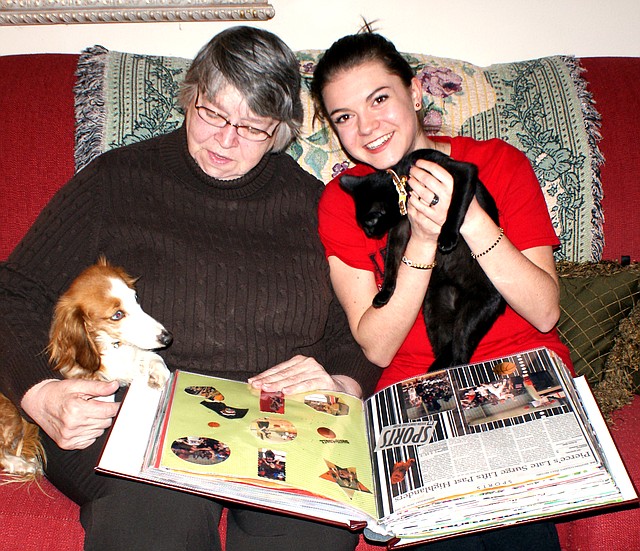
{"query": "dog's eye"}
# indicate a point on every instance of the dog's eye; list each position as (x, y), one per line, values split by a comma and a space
(118, 315)
(137, 299)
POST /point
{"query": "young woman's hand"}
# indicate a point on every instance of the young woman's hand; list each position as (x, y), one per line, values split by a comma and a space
(431, 189)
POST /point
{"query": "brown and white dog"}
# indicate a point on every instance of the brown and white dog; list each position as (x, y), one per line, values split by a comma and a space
(99, 332)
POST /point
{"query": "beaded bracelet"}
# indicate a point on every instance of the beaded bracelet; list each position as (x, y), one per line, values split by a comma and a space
(490, 248)
(418, 266)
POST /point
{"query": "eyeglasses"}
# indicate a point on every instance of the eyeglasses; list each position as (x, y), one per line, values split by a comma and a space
(213, 118)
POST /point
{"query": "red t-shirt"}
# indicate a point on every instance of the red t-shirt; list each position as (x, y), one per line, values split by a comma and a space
(509, 177)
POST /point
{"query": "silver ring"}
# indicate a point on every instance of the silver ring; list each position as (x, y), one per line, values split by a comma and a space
(435, 200)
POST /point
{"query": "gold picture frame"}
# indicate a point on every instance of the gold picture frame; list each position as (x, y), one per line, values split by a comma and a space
(50, 12)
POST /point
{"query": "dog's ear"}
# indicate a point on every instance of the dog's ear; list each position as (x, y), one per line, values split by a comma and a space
(72, 351)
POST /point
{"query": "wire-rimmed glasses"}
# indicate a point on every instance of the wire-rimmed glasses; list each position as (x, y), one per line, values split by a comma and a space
(213, 118)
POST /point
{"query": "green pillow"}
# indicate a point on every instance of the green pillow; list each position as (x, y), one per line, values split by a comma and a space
(621, 378)
(594, 299)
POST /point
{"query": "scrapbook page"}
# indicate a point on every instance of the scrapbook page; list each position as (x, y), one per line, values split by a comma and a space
(468, 448)
(220, 431)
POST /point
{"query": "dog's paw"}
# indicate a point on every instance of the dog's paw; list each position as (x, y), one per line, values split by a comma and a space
(158, 373)
(21, 467)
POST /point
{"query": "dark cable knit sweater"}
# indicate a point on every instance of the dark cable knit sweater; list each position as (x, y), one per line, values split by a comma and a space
(235, 269)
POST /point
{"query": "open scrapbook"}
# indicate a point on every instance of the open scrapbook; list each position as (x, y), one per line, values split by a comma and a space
(473, 447)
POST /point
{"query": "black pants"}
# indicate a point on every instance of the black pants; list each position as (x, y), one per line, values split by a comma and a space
(120, 515)
(541, 536)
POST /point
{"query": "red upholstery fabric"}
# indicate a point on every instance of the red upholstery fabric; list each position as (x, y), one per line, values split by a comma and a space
(37, 137)
(36, 518)
(615, 89)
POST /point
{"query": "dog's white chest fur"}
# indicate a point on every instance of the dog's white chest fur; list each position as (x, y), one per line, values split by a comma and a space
(125, 363)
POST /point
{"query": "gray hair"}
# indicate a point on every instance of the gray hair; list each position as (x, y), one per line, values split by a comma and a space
(260, 66)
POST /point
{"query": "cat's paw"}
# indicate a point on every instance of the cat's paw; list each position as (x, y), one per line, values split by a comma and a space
(447, 242)
(382, 298)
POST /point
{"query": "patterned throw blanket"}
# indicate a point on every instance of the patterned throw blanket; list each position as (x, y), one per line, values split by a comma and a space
(540, 106)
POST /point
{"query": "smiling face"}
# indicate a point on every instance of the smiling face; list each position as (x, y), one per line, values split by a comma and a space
(374, 114)
(220, 152)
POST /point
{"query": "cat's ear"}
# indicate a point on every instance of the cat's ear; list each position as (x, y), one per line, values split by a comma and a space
(350, 183)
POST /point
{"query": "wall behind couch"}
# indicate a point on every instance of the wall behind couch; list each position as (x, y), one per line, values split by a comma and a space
(481, 32)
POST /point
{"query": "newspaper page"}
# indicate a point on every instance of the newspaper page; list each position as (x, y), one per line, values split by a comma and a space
(457, 449)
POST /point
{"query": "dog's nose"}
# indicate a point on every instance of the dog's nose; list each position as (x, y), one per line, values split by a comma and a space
(165, 338)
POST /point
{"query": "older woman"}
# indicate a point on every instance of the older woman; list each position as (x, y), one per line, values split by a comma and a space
(221, 226)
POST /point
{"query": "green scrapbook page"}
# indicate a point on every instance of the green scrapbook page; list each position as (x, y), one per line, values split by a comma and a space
(311, 443)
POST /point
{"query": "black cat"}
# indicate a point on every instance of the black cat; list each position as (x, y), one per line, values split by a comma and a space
(461, 303)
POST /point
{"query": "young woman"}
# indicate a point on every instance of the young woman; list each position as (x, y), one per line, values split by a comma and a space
(370, 96)
(372, 99)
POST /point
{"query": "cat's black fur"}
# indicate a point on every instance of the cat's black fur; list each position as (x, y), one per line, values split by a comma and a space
(461, 303)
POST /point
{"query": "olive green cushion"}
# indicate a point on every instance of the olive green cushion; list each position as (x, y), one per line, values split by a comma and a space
(600, 323)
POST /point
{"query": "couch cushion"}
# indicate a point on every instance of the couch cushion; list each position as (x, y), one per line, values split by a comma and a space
(37, 517)
(594, 299)
(540, 106)
(599, 322)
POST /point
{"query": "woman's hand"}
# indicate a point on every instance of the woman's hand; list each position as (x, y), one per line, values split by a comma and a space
(68, 411)
(431, 189)
(302, 374)
(526, 279)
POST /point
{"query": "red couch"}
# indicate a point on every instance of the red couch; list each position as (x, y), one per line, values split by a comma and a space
(36, 148)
